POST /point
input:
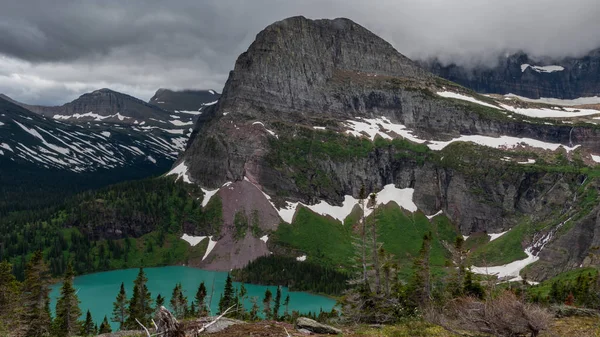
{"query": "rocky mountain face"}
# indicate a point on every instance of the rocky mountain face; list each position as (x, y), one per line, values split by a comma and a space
(569, 78)
(190, 101)
(314, 110)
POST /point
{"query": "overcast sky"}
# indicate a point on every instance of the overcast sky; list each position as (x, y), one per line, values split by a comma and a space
(53, 51)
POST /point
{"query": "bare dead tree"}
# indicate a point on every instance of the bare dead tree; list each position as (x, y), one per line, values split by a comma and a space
(167, 325)
(503, 316)
(206, 326)
(375, 244)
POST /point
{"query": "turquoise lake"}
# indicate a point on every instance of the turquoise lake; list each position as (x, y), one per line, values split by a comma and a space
(98, 291)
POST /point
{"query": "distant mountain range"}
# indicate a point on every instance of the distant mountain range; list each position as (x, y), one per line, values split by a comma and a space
(519, 74)
(99, 132)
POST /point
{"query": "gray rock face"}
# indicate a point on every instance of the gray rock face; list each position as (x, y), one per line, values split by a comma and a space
(291, 64)
(580, 77)
(316, 327)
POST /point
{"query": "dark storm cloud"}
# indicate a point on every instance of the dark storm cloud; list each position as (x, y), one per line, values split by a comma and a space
(52, 51)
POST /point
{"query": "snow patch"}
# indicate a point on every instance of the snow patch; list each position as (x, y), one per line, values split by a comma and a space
(36, 134)
(181, 171)
(510, 270)
(450, 94)
(541, 69)
(529, 161)
(192, 240)
(494, 236)
(301, 258)
(264, 238)
(319, 127)
(212, 92)
(401, 196)
(558, 101)
(207, 195)
(373, 127)
(177, 122)
(1, 123)
(211, 245)
(434, 215)
(502, 142)
(269, 131)
(551, 113)
(105, 134)
(188, 112)
(95, 116)
(381, 127)
(174, 132)
(210, 103)
(6, 147)
(596, 158)
(151, 159)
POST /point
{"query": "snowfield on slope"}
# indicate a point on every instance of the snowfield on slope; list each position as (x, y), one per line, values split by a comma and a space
(541, 69)
(558, 101)
(181, 171)
(192, 240)
(383, 127)
(195, 240)
(450, 94)
(551, 113)
(401, 196)
(510, 270)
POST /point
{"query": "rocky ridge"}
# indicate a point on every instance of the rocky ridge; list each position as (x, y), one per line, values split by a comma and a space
(519, 74)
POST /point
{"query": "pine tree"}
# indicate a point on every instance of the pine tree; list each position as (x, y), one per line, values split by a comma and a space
(178, 302)
(67, 307)
(286, 304)
(105, 326)
(120, 312)
(227, 300)
(9, 297)
(160, 301)
(255, 308)
(420, 285)
(140, 305)
(242, 296)
(200, 300)
(267, 304)
(192, 312)
(87, 328)
(277, 303)
(472, 287)
(36, 302)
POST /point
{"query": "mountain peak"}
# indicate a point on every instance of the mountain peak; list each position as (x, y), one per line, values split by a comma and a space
(314, 53)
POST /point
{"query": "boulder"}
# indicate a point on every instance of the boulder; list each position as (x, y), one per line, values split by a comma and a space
(316, 327)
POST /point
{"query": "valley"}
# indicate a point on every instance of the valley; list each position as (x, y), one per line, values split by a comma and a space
(330, 165)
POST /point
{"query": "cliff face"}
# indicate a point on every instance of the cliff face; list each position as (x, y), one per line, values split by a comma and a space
(568, 78)
(282, 127)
